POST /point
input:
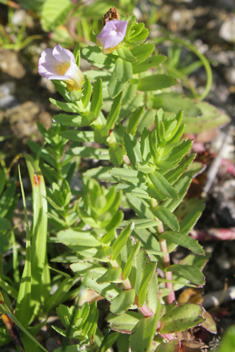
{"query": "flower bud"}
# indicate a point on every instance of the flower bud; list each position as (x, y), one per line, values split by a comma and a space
(112, 35)
(60, 64)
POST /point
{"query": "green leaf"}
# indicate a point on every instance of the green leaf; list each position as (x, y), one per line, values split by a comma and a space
(68, 107)
(4, 308)
(209, 324)
(181, 187)
(149, 63)
(77, 238)
(183, 240)
(227, 343)
(109, 341)
(7, 198)
(181, 318)
(122, 302)
(76, 53)
(142, 336)
(141, 208)
(190, 219)
(86, 92)
(107, 290)
(173, 102)
(134, 29)
(190, 272)
(210, 118)
(94, 55)
(129, 175)
(146, 121)
(145, 167)
(140, 38)
(100, 133)
(114, 87)
(60, 294)
(141, 223)
(78, 136)
(161, 184)
(170, 346)
(54, 13)
(121, 240)
(61, 86)
(173, 175)
(2, 180)
(75, 120)
(116, 154)
(40, 278)
(97, 99)
(4, 244)
(166, 217)
(24, 295)
(100, 173)
(112, 274)
(117, 218)
(135, 103)
(123, 70)
(89, 152)
(142, 52)
(134, 120)
(124, 323)
(133, 149)
(135, 191)
(128, 265)
(148, 271)
(179, 152)
(129, 92)
(155, 82)
(125, 54)
(114, 112)
(4, 225)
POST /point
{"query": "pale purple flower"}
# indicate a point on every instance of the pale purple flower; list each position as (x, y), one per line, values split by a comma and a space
(60, 64)
(112, 35)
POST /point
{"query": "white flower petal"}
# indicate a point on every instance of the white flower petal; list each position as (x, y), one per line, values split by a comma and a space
(62, 55)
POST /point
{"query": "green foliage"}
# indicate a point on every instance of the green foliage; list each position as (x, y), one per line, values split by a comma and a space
(145, 167)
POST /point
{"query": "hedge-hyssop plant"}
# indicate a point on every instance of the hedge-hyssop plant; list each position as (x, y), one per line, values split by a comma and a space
(145, 167)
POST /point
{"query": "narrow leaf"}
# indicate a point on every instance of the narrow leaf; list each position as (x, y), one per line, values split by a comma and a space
(97, 99)
(142, 336)
(148, 271)
(114, 87)
(149, 63)
(86, 92)
(122, 302)
(181, 318)
(190, 272)
(184, 241)
(123, 70)
(112, 274)
(142, 52)
(126, 55)
(121, 240)
(166, 217)
(161, 183)
(133, 149)
(114, 112)
(128, 265)
(155, 82)
(124, 323)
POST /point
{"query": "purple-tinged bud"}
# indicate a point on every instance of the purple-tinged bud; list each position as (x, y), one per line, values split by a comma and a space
(60, 64)
(112, 35)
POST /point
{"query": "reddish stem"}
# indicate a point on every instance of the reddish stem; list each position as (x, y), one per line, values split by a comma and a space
(168, 274)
